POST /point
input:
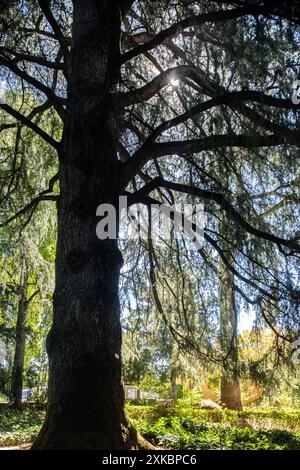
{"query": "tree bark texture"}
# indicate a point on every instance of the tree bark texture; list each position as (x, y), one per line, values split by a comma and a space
(86, 398)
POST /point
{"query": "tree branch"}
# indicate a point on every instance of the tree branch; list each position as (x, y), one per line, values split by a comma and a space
(185, 71)
(55, 100)
(44, 5)
(28, 123)
(32, 205)
(157, 150)
(20, 56)
(148, 201)
(221, 201)
(196, 20)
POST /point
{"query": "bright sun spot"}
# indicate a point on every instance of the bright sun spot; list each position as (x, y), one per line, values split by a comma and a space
(174, 82)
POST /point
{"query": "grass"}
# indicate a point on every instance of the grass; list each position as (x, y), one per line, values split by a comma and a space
(183, 427)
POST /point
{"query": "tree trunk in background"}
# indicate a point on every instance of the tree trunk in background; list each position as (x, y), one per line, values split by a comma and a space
(231, 393)
(173, 376)
(230, 386)
(19, 357)
(85, 397)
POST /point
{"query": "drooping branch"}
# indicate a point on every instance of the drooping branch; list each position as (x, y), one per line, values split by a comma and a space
(197, 78)
(185, 71)
(150, 201)
(158, 83)
(196, 20)
(55, 100)
(44, 195)
(288, 10)
(291, 136)
(157, 150)
(31, 125)
(221, 200)
(216, 141)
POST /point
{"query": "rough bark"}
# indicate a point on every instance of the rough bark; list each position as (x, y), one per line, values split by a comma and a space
(19, 356)
(85, 398)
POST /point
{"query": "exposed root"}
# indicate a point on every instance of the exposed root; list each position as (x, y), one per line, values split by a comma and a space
(138, 442)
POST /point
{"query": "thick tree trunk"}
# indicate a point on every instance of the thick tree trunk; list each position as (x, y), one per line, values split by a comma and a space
(85, 398)
(19, 356)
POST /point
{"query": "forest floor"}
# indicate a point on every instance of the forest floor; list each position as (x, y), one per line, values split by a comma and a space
(19, 447)
(184, 426)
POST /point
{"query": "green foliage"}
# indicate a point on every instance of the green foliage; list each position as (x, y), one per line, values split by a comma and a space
(143, 402)
(19, 427)
(183, 427)
(191, 397)
(3, 398)
(193, 428)
(152, 383)
(135, 368)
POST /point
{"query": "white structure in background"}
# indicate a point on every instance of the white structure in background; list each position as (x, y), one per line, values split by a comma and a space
(296, 353)
(131, 392)
(2, 353)
(2, 90)
(149, 395)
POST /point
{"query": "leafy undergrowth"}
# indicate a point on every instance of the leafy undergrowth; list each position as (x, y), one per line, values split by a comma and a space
(19, 427)
(183, 427)
(175, 433)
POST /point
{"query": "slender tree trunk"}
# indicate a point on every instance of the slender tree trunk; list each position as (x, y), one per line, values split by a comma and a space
(173, 385)
(230, 386)
(85, 397)
(19, 356)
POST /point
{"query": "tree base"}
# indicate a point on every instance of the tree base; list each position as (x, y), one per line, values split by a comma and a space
(130, 439)
(138, 442)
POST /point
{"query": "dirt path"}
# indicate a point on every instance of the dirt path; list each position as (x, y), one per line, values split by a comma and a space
(20, 447)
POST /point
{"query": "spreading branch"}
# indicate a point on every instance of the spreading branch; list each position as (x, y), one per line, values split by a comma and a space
(44, 195)
(22, 56)
(218, 198)
(196, 20)
(55, 100)
(185, 71)
(157, 150)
